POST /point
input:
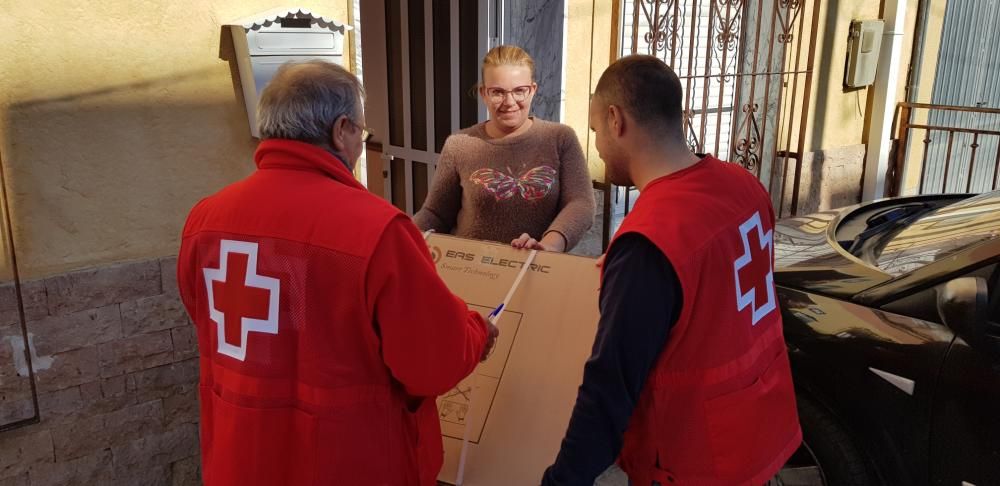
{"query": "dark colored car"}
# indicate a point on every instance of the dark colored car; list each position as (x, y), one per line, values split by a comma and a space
(891, 313)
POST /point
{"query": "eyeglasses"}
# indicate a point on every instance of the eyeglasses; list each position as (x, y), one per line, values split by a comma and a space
(499, 95)
(366, 134)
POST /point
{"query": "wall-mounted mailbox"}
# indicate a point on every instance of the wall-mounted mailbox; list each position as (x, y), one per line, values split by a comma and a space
(863, 52)
(265, 41)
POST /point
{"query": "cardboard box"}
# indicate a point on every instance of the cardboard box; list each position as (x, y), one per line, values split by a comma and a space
(523, 395)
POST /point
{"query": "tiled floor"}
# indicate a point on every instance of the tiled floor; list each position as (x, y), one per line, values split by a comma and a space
(591, 244)
(612, 477)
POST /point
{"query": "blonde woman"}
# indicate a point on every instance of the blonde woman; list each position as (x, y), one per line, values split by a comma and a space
(514, 178)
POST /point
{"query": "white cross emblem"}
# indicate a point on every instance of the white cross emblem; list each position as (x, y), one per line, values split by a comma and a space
(761, 276)
(239, 300)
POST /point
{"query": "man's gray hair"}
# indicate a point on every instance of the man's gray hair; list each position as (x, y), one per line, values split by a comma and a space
(304, 99)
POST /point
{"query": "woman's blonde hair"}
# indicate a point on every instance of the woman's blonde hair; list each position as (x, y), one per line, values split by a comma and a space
(507, 55)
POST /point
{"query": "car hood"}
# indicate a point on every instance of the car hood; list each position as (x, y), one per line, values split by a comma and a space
(808, 257)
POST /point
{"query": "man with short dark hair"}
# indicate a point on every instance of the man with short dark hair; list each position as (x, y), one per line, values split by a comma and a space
(324, 332)
(689, 381)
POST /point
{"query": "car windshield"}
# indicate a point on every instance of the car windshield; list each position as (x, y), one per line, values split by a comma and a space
(940, 233)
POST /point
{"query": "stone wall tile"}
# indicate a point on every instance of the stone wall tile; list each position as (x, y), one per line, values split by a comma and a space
(165, 381)
(151, 314)
(168, 273)
(185, 340)
(58, 334)
(91, 469)
(98, 287)
(85, 435)
(64, 370)
(136, 353)
(187, 472)
(22, 449)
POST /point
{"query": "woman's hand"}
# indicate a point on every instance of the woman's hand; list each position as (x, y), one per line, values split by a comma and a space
(526, 242)
(552, 241)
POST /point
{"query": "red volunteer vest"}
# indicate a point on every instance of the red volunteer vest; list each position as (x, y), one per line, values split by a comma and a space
(313, 404)
(718, 407)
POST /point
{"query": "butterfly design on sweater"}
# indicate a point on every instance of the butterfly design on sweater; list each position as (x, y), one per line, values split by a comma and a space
(533, 184)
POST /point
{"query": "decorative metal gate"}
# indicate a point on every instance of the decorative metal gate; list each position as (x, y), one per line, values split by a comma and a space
(746, 67)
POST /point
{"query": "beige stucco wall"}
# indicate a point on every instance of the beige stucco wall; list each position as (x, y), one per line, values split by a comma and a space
(835, 120)
(589, 30)
(836, 116)
(115, 118)
(836, 136)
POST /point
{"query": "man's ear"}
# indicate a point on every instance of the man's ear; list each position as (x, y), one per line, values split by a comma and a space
(338, 135)
(616, 120)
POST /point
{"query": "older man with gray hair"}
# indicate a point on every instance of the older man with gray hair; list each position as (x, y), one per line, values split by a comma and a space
(324, 331)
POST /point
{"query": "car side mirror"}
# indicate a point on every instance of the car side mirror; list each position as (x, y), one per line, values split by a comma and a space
(963, 305)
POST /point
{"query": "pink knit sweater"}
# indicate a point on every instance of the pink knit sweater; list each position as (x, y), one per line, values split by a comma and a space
(496, 189)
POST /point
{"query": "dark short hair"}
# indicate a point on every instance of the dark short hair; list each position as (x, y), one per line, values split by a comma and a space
(646, 88)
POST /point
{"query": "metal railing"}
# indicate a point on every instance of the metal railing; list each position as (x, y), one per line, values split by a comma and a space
(959, 151)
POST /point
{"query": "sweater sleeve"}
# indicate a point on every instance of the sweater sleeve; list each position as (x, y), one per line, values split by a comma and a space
(444, 199)
(576, 196)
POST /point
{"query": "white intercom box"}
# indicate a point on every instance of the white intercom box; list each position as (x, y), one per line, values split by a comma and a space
(863, 52)
(265, 41)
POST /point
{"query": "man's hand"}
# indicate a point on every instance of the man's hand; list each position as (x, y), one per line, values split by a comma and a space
(600, 260)
(492, 332)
